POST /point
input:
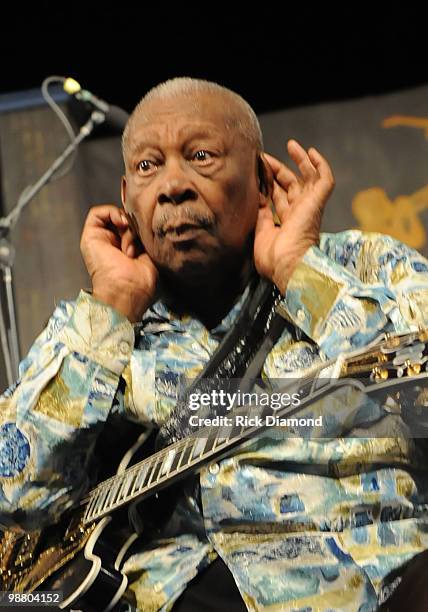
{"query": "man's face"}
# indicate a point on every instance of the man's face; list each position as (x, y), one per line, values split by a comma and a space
(191, 184)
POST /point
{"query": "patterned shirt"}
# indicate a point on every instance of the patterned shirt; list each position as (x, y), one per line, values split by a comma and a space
(303, 524)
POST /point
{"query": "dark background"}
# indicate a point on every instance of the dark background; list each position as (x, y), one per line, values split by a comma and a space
(275, 56)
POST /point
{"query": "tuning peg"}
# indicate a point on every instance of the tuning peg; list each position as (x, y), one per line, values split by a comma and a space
(391, 342)
(413, 369)
(423, 334)
(379, 374)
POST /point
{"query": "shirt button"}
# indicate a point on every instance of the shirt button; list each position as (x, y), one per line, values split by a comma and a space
(214, 468)
(301, 314)
(124, 347)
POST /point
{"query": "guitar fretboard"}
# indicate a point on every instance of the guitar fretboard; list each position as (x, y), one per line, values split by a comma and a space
(186, 455)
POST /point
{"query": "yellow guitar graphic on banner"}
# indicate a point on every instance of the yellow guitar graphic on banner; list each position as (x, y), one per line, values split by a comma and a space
(399, 218)
(407, 121)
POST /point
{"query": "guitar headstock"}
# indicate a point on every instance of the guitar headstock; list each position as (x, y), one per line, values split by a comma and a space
(390, 356)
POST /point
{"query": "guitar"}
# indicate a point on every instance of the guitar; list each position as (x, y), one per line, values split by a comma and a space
(82, 555)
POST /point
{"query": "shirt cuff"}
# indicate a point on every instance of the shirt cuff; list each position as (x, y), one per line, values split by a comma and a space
(311, 292)
(100, 333)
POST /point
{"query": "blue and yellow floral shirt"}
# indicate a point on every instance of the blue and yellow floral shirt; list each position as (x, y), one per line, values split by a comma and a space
(310, 524)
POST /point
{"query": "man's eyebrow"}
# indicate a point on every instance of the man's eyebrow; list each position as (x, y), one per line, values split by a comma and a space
(203, 133)
(152, 143)
(141, 145)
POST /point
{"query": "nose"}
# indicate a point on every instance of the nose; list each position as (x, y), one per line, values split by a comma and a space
(176, 187)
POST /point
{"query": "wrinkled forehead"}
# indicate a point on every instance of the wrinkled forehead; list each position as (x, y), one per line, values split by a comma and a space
(201, 106)
(186, 116)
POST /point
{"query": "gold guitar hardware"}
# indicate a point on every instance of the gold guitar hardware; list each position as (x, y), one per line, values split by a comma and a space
(423, 335)
(412, 368)
(391, 341)
(380, 373)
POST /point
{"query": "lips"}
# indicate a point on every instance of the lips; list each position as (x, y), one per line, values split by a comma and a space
(186, 235)
(182, 228)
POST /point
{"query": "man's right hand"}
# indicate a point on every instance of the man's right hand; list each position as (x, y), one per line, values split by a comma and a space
(123, 275)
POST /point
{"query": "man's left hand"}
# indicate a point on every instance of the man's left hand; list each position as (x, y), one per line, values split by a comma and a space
(299, 202)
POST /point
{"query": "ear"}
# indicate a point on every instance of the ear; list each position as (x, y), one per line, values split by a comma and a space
(123, 191)
(265, 175)
(129, 215)
(266, 182)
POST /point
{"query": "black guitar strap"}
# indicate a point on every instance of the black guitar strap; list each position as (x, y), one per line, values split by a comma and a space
(239, 358)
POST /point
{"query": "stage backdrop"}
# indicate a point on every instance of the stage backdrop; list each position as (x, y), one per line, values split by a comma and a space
(377, 147)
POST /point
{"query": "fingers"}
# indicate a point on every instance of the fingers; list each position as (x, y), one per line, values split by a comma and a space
(107, 215)
(322, 166)
(105, 223)
(312, 167)
(127, 243)
(131, 244)
(265, 220)
(108, 223)
(280, 202)
(282, 174)
(302, 160)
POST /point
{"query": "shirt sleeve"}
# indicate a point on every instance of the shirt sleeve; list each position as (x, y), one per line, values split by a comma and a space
(354, 286)
(51, 417)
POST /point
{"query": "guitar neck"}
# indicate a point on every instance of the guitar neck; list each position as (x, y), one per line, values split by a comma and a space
(189, 454)
(178, 459)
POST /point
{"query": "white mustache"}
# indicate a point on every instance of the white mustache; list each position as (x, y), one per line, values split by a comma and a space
(186, 216)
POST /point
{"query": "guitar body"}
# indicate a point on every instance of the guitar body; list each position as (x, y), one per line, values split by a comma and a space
(92, 581)
(85, 567)
(82, 561)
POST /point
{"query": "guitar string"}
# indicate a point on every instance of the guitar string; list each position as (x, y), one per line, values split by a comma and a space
(153, 461)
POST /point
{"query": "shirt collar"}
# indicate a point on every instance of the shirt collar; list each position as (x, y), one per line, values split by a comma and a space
(160, 314)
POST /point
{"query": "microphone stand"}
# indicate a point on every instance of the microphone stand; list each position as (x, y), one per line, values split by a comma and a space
(8, 329)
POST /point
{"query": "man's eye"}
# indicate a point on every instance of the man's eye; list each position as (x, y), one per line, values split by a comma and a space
(202, 156)
(146, 166)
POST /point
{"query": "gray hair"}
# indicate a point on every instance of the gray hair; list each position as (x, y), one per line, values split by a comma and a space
(242, 117)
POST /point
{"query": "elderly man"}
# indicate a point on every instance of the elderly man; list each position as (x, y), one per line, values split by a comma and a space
(285, 523)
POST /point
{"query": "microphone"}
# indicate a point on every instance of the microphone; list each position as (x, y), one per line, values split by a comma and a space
(115, 116)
